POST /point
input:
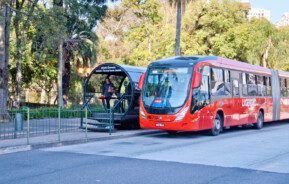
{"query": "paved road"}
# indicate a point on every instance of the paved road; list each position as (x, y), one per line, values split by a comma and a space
(236, 156)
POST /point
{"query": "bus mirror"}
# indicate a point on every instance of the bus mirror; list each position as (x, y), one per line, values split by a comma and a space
(141, 80)
(196, 79)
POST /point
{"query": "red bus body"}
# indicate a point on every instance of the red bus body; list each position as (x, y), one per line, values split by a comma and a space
(235, 110)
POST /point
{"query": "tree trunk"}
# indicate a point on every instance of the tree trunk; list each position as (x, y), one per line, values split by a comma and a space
(149, 45)
(66, 76)
(42, 96)
(18, 59)
(178, 28)
(27, 94)
(59, 78)
(59, 3)
(183, 7)
(266, 52)
(3, 103)
(4, 56)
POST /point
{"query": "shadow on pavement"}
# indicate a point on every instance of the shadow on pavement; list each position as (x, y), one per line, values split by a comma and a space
(231, 130)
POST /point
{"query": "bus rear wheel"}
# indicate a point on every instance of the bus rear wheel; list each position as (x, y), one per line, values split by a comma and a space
(218, 126)
(260, 121)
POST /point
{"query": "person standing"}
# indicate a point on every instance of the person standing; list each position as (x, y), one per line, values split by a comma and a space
(107, 91)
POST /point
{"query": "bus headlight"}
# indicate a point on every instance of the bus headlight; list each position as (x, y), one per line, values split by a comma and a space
(142, 114)
(182, 114)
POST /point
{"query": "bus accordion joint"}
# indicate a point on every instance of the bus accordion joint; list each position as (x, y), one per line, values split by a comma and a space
(196, 79)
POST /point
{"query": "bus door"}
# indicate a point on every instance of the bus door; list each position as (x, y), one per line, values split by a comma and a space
(201, 99)
(236, 101)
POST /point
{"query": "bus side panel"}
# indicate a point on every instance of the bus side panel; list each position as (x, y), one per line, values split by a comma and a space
(268, 110)
(228, 109)
(208, 114)
(284, 108)
(243, 112)
(206, 118)
(255, 108)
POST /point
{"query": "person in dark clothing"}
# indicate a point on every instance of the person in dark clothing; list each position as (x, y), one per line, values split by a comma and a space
(165, 92)
(128, 94)
(107, 91)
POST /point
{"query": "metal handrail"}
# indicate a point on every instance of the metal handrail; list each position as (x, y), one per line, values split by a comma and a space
(87, 101)
(111, 112)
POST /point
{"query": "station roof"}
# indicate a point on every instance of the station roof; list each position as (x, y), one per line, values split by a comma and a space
(111, 68)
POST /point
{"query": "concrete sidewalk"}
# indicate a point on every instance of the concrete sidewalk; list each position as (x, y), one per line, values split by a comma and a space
(52, 140)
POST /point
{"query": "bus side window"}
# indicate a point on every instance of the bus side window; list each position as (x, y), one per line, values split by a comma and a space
(260, 85)
(217, 82)
(287, 85)
(235, 76)
(244, 84)
(227, 76)
(264, 88)
(283, 87)
(269, 90)
(252, 87)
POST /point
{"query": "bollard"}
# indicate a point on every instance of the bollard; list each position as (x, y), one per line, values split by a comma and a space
(28, 125)
(86, 123)
(49, 116)
(59, 122)
(18, 124)
(110, 121)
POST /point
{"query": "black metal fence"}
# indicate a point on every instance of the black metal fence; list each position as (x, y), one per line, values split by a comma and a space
(27, 122)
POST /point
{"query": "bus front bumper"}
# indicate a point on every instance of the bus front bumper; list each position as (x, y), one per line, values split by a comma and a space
(176, 126)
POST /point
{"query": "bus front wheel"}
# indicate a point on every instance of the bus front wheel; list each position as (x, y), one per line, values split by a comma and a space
(218, 126)
(260, 121)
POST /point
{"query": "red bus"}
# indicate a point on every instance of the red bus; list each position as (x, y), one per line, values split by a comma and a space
(196, 93)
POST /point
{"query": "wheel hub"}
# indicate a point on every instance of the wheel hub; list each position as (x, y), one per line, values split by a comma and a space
(218, 124)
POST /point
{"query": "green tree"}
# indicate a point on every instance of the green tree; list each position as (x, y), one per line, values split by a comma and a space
(5, 19)
(128, 34)
(82, 17)
(278, 56)
(23, 12)
(205, 25)
(180, 5)
(249, 42)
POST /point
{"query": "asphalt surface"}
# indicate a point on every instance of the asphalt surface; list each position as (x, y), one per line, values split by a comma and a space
(237, 156)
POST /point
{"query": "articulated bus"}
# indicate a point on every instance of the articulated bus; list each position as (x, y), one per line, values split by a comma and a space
(194, 93)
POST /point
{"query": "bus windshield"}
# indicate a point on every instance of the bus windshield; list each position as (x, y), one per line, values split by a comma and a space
(167, 87)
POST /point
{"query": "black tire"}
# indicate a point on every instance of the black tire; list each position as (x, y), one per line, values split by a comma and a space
(129, 126)
(172, 132)
(218, 126)
(260, 121)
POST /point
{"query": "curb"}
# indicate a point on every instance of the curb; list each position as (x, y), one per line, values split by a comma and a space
(20, 148)
(14, 149)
